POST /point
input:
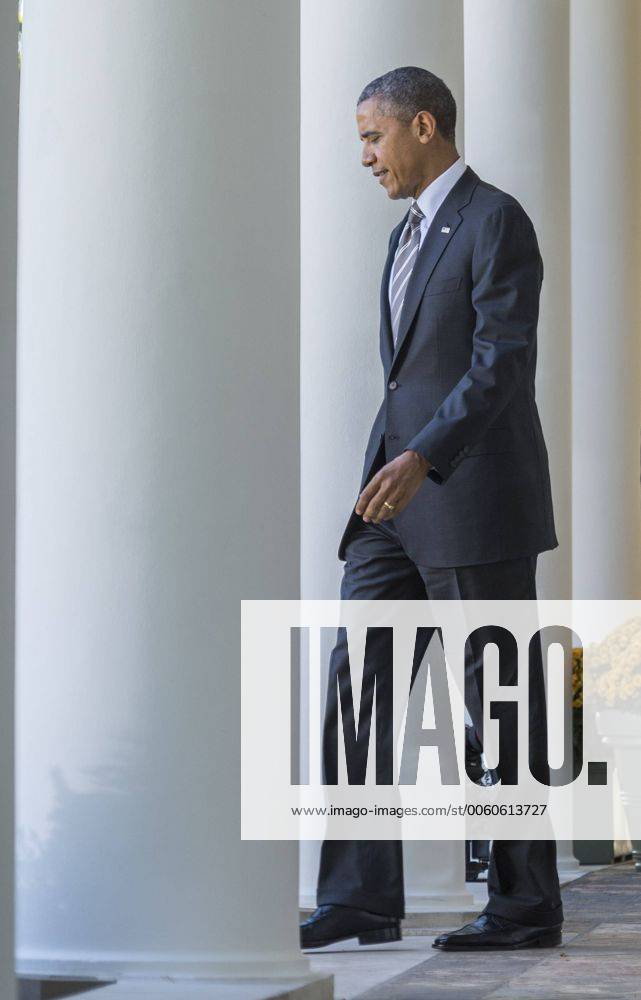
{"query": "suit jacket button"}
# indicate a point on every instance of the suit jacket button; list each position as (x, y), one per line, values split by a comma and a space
(393, 385)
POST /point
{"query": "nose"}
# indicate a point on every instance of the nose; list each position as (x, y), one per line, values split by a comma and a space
(367, 159)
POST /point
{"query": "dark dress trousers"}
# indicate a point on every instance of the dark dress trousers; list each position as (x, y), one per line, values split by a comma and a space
(459, 389)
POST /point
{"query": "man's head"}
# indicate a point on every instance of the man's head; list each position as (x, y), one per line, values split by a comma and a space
(406, 120)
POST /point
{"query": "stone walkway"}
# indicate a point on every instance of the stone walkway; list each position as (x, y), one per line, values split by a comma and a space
(600, 955)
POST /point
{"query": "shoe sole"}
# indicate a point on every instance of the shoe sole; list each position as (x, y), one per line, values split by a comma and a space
(382, 935)
(552, 940)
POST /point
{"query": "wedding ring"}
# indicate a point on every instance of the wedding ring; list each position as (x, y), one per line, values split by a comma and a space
(390, 506)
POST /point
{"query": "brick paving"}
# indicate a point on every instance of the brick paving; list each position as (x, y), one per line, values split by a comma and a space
(600, 955)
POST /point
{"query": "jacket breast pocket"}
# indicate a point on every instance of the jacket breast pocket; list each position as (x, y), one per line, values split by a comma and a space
(438, 286)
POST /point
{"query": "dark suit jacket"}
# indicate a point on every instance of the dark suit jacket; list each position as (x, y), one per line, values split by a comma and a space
(459, 387)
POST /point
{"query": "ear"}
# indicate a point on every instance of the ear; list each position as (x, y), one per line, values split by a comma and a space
(425, 124)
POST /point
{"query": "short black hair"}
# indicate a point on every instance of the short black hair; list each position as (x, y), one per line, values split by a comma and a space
(403, 92)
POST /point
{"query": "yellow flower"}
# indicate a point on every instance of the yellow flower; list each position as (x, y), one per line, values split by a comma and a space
(617, 661)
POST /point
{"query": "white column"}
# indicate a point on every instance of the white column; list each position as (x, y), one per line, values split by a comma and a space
(346, 220)
(566, 862)
(606, 298)
(435, 877)
(8, 249)
(309, 861)
(517, 137)
(158, 478)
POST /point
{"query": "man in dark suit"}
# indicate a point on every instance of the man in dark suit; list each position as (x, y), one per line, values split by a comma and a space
(455, 499)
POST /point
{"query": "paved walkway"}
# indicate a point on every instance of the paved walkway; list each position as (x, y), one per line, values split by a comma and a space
(600, 955)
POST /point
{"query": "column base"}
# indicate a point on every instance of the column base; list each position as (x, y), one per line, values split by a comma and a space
(132, 966)
(310, 987)
(436, 904)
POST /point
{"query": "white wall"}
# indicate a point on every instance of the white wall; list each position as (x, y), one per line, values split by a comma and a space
(8, 232)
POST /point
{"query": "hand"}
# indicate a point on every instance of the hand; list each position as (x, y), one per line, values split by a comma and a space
(395, 484)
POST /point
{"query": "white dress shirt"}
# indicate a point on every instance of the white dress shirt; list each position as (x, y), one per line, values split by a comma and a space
(431, 199)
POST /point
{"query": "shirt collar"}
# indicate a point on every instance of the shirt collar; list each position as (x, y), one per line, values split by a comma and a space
(430, 200)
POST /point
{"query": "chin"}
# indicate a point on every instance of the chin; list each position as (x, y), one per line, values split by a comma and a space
(394, 192)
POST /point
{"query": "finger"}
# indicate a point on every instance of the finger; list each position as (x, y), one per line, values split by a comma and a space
(385, 514)
(370, 491)
(375, 505)
(394, 496)
(370, 510)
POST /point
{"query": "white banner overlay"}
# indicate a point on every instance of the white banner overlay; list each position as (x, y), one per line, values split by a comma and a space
(369, 743)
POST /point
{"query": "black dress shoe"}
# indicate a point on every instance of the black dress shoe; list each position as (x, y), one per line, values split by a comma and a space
(331, 923)
(492, 932)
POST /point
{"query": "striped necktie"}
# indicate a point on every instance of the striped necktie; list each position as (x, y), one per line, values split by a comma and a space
(403, 263)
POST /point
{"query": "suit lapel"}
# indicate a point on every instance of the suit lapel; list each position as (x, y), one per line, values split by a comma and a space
(442, 229)
(387, 340)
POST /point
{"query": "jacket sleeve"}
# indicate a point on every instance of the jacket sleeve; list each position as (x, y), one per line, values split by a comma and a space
(507, 273)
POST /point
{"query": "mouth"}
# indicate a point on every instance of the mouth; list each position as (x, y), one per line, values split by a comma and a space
(379, 173)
